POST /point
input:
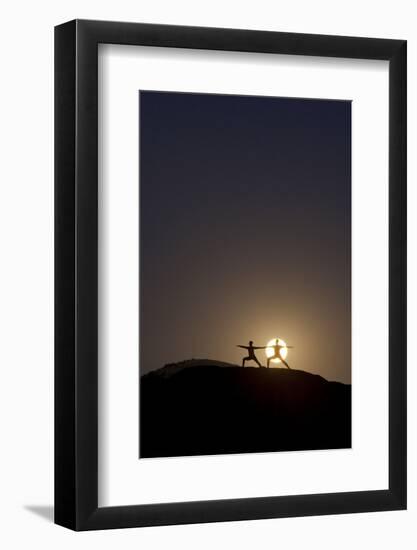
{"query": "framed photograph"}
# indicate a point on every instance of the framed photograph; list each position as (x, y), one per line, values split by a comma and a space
(230, 254)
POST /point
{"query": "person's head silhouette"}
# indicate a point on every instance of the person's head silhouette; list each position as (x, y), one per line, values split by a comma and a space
(250, 342)
(277, 342)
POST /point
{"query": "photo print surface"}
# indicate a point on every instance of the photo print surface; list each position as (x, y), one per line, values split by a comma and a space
(245, 274)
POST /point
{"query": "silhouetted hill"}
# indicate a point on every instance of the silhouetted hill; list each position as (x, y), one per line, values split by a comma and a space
(172, 368)
(200, 407)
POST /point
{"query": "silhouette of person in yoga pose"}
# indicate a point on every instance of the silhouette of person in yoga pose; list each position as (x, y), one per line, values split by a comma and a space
(277, 354)
(251, 353)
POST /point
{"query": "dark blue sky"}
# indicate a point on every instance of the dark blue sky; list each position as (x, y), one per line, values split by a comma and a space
(245, 222)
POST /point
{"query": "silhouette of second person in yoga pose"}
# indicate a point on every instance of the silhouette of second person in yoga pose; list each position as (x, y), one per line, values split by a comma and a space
(277, 354)
(251, 353)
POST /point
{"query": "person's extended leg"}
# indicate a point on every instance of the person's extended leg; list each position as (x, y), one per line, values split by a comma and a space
(267, 363)
(256, 361)
(245, 359)
(285, 363)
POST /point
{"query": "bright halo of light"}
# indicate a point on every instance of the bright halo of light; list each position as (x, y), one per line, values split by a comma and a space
(269, 351)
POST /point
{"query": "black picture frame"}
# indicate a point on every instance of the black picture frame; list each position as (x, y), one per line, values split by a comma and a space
(76, 272)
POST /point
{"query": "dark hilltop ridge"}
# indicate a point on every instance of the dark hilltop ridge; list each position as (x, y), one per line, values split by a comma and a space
(204, 407)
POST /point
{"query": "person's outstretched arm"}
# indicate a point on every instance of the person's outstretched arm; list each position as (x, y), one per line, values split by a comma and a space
(244, 347)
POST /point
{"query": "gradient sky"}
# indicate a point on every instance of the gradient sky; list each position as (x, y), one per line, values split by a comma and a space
(245, 229)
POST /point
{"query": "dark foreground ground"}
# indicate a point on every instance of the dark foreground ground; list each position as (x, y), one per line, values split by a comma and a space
(205, 407)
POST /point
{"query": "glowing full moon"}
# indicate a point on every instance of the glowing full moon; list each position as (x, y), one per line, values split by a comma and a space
(269, 351)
